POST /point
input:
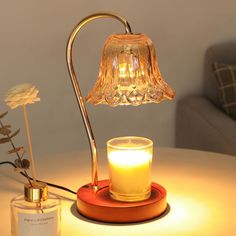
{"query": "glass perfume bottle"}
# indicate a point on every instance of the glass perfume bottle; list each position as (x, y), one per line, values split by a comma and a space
(35, 213)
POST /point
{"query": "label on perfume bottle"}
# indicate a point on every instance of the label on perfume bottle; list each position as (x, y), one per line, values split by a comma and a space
(45, 224)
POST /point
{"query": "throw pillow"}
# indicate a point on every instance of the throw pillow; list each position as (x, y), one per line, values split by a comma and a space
(226, 78)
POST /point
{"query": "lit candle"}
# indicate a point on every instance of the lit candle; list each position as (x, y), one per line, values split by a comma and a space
(130, 168)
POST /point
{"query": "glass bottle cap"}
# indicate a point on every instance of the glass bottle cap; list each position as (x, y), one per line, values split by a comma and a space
(36, 193)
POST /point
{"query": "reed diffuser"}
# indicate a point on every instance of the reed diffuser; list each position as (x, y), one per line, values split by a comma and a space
(35, 212)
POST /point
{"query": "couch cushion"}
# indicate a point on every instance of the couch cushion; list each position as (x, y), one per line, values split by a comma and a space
(222, 53)
(226, 79)
(201, 125)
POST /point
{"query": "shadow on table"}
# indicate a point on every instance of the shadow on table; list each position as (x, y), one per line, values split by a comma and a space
(81, 217)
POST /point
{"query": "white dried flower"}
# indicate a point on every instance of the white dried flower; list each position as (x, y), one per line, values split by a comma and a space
(21, 95)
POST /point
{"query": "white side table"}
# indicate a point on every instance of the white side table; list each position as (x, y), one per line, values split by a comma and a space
(201, 188)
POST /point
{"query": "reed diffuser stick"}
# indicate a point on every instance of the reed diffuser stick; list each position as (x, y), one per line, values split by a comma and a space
(21, 95)
(29, 143)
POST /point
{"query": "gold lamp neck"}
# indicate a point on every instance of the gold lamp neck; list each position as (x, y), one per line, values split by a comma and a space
(106, 15)
(76, 86)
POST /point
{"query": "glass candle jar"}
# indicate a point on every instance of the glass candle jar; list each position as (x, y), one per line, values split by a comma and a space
(129, 161)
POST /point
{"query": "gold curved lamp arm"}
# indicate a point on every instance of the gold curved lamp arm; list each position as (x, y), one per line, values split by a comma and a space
(76, 86)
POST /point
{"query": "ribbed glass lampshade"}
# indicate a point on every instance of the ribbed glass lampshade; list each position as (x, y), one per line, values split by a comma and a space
(129, 73)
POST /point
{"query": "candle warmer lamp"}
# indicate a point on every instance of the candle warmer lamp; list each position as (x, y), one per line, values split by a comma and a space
(129, 75)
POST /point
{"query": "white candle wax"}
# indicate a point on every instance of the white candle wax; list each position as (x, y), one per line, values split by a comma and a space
(130, 172)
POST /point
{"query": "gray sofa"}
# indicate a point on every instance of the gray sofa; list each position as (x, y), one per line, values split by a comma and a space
(200, 123)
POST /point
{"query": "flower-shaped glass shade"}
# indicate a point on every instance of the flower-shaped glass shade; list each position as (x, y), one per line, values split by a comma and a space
(129, 74)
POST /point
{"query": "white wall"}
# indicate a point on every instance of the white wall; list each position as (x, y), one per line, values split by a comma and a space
(33, 39)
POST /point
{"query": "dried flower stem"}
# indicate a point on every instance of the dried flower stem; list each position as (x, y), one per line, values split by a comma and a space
(29, 144)
(13, 145)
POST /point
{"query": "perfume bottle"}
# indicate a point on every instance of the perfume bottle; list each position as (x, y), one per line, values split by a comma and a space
(35, 213)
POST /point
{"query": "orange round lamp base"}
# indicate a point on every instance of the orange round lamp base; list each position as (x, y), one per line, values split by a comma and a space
(98, 205)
